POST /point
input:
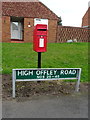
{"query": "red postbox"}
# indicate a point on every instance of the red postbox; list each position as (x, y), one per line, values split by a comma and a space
(40, 38)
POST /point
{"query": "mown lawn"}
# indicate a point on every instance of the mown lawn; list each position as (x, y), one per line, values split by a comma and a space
(58, 55)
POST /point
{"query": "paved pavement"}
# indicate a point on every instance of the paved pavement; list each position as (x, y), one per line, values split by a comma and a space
(0, 97)
(62, 106)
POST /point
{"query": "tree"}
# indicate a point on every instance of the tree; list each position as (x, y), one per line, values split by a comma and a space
(59, 21)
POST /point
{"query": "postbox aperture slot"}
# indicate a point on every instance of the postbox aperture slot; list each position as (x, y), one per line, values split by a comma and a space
(42, 29)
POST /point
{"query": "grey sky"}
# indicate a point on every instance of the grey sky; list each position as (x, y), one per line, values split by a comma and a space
(71, 11)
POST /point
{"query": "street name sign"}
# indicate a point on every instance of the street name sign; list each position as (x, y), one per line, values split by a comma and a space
(45, 74)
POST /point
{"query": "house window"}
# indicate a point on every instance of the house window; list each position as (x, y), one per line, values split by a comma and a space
(14, 25)
(16, 29)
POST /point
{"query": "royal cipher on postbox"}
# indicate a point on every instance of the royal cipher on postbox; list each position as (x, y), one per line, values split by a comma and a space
(40, 38)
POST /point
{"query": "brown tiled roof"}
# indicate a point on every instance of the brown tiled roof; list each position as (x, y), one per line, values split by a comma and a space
(27, 9)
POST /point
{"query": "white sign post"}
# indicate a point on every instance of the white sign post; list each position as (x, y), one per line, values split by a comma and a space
(45, 74)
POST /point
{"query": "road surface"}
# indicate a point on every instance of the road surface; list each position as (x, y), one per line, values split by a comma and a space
(49, 106)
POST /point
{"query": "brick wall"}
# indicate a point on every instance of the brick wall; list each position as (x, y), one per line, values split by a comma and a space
(6, 29)
(65, 33)
(52, 31)
(28, 31)
(55, 33)
(86, 18)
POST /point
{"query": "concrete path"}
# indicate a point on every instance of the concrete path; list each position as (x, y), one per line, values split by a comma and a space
(0, 97)
(62, 106)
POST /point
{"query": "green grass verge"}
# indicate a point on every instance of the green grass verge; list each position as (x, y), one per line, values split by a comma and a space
(58, 55)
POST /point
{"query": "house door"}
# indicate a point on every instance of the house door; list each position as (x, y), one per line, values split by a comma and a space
(16, 30)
